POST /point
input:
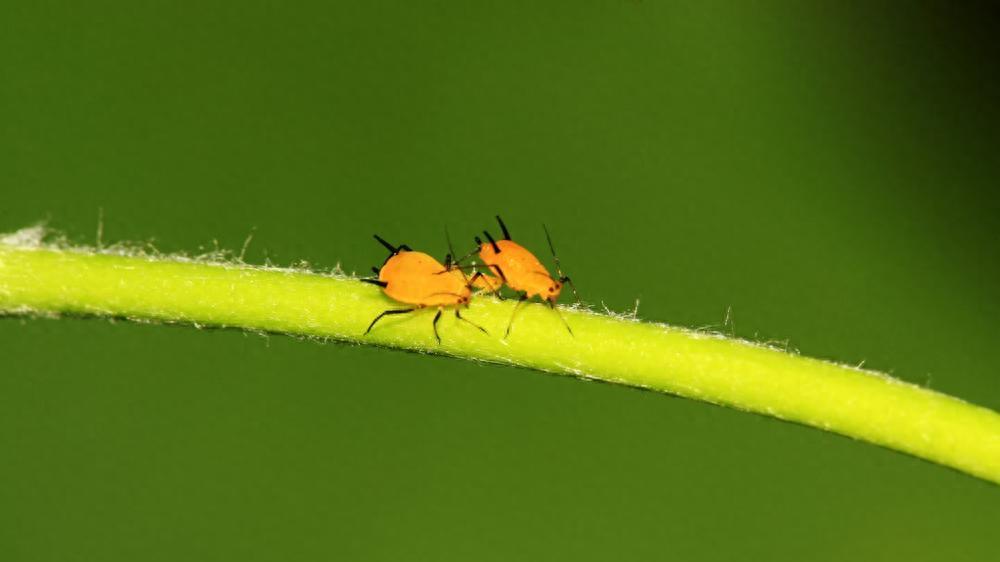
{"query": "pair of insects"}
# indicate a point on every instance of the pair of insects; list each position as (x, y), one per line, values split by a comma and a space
(420, 281)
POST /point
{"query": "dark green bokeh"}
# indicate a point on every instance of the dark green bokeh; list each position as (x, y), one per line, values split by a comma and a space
(825, 173)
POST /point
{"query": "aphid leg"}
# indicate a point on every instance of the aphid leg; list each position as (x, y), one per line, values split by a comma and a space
(552, 305)
(404, 247)
(520, 302)
(469, 255)
(496, 268)
(460, 317)
(376, 270)
(386, 313)
(435, 325)
(503, 227)
(471, 283)
(374, 282)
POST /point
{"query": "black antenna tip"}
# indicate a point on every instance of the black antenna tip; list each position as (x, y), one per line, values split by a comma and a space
(552, 248)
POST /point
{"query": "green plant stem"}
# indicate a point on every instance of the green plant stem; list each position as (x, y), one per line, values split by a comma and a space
(860, 404)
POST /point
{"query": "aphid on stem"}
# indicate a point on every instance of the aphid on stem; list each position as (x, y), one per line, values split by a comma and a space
(419, 280)
(520, 270)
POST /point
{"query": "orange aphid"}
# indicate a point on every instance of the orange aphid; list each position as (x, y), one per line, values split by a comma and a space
(419, 280)
(520, 270)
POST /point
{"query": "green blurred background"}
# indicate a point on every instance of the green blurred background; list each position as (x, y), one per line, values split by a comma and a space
(824, 172)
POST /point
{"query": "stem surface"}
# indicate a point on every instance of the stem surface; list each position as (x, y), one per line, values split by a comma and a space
(866, 405)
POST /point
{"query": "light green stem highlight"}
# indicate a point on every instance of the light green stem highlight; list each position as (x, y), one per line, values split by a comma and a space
(860, 404)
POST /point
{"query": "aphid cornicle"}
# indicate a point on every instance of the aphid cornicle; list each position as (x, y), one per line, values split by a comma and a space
(520, 270)
(419, 280)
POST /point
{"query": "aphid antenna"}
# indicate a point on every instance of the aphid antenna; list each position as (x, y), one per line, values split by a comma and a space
(456, 263)
(447, 237)
(562, 276)
(451, 249)
(469, 282)
(449, 264)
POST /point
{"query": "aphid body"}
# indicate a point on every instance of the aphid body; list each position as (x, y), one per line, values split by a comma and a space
(419, 280)
(520, 270)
